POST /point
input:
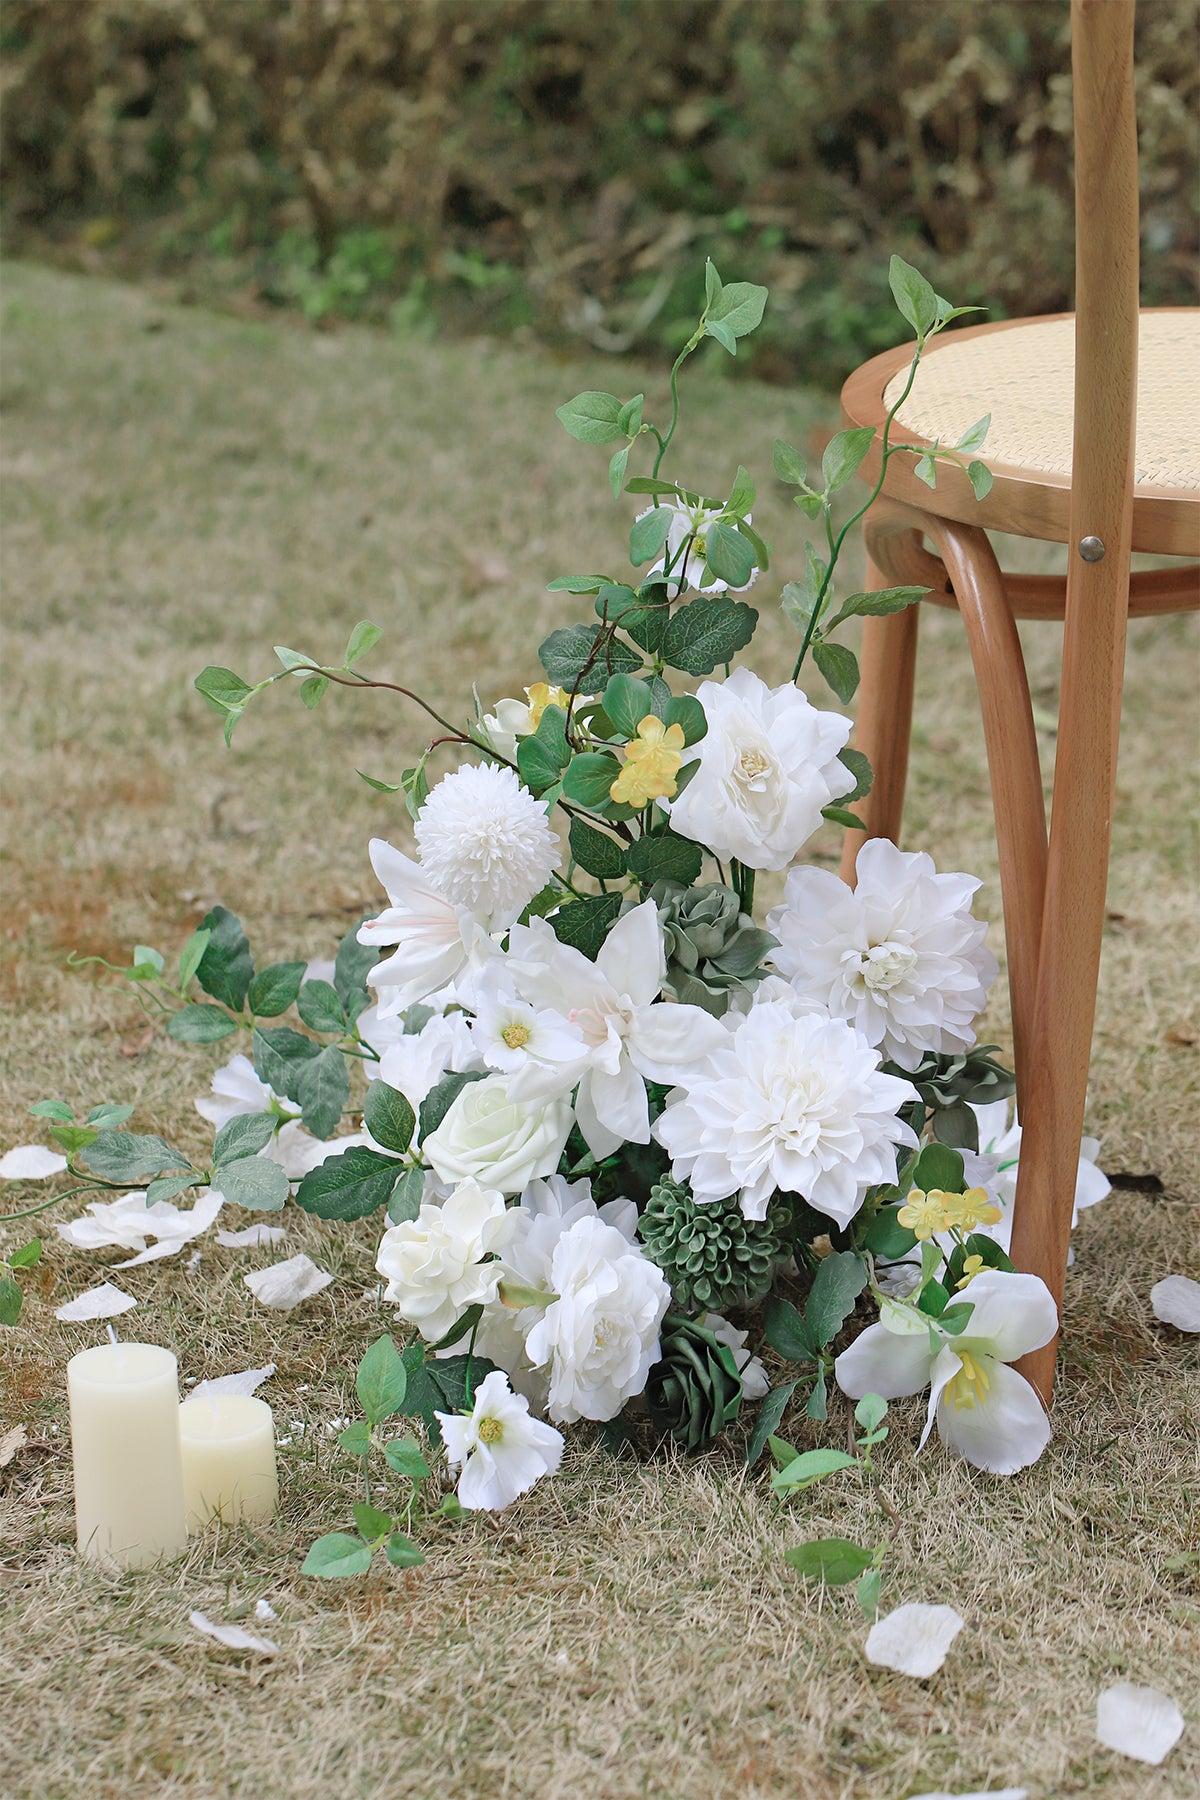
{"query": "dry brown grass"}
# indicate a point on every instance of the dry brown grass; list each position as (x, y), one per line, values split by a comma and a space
(182, 488)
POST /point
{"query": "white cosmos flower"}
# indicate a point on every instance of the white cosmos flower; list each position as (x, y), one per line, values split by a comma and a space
(984, 1410)
(692, 519)
(486, 843)
(791, 1103)
(443, 1261)
(488, 1136)
(435, 938)
(501, 1451)
(768, 763)
(540, 1051)
(899, 955)
(629, 1037)
(598, 1339)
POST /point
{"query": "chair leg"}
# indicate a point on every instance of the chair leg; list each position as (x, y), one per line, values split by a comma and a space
(884, 719)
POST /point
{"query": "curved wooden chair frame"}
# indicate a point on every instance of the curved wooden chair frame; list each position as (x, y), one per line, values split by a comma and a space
(1053, 881)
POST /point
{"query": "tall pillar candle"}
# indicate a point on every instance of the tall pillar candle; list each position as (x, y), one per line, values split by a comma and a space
(124, 1401)
(228, 1447)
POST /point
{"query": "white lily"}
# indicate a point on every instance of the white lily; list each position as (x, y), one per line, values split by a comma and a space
(629, 1038)
(984, 1410)
(435, 939)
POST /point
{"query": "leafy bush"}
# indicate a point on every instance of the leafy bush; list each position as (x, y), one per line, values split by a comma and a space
(546, 162)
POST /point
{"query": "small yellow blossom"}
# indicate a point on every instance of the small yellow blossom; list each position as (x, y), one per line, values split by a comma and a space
(970, 1210)
(652, 762)
(925, 1214)
(540, 696)
(971, 1267)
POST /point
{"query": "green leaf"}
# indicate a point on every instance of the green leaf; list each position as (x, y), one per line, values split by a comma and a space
(839, 666)
(627, 701)
(11, 1300)
(146, 962)
(222, 688)
(956, 1125)
(770, 1414)
(707, 632)
(939, 1169)
(312, 691)
(404, 1457)
(337, 1554)
(71, 1138)
(788, 463)
(630, 417)
(591, 417)
(584, 924)
(738, 308)
(787, 1332)
(279, 1054)
(980, 477)
(364, 637)
(742, 495)
(227, 966)
(860, 767)
(381, 1381)
(832, 1560)
(761, 555)
(576, 584)
(274, 989)
(169, 1187)
(349, 1186)
(462, 1326)
(589, 778)
(843, 454)
(441, 1098)
(925, 469)
(886, 1237)
(322, 1090)
(809, 1467)
(956, 1318)
(648, 535)
(405, 1200)
(439, 1384)
(566, 653)
(972, 438)
(106, 1115)
(871, 1411)
(128, 1156)
(839, 815)
(838, 1282)
(189, 956)
(402, 1553)
(254, 1182)
(320, 1006)
(649, 484)
(370, 1523)
(867, 1593)
(876, 605)
(664, 857)
(292, 659)
(196, 1024)
(913, 295)
(712, 282)
(388, 1116)
(686, 711)
(352, 965)
(244, 1135)
(933, 1299)
(618, 463)
(53, 1109)
(380, 787)
(596, 852)
(724, 335)
(817, 1404)
(28, 1256)
(728, 554)
(356, 1439)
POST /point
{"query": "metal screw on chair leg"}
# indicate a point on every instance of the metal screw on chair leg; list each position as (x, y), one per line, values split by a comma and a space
(1091, 548)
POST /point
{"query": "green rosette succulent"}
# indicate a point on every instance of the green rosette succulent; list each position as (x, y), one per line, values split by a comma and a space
(712, 1256)
(713, 947)
(695, 1390)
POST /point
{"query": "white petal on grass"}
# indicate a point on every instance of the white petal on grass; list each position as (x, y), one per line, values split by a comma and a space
(978, 1794)
(1176, 1301)
(11, 1444)
(30, 1162)
(234, 1637)
(264, 1610)
(1138, 1722)
(285, 1284)
(914, 1639)
(107, 1301)
(244, 1382)
(253, 1234)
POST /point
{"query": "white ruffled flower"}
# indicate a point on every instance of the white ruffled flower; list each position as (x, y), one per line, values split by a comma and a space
(435, 1264)
(598, 1339)
(488, 1136)
(501, 1451)
(899, 956)
(768, 763)
(540, 1051)
(629, 1037)
(692, 519)
(792, 1103)
(435, 939)
(984, 1410)
(486, 843)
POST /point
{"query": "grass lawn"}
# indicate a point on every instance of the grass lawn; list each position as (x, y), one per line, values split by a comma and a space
(182, 489)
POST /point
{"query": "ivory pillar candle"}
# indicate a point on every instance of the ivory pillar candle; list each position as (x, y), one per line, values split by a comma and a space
(228, 1448)
(124, 1401)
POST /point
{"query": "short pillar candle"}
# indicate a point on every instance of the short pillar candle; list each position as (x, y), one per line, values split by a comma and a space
(228, 1447)
(124, 1401)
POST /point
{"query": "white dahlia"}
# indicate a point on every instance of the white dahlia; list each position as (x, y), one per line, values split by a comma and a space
(792, 1103)
(767, 765)
(486, 843)
(899, 956)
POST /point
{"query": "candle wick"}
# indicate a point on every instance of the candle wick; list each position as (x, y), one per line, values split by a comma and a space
(112, 1334)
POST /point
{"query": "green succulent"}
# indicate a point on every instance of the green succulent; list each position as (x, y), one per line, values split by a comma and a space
(695, 1390)
(712, 1256)
(950, 1085)
(713, 947)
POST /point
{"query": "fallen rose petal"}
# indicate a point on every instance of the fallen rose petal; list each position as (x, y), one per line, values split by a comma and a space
(1138, 1721)
(31, 1162)
(244, 1382)
(914, 1638)
(253, 1234)
(173, 1227)
(285, 1284)
(233, 1636)
(104, 1302)
(11, 1444)
(1176, 1301)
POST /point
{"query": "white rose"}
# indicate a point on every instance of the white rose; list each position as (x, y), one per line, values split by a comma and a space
(598, 1340)
(505, 1143)
(435, 1265)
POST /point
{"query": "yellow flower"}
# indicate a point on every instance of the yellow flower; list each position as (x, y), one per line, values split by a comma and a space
(971, 1267)
(652, 762)
(972, 1209)
(925, 1214)
(540, 696)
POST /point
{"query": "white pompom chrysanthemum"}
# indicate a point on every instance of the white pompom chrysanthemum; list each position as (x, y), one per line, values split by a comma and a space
(899, 956)
(486, 843)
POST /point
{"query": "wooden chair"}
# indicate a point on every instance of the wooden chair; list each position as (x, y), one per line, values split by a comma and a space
(1106, 494)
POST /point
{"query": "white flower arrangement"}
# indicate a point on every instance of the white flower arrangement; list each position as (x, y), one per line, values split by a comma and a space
(578, 1170)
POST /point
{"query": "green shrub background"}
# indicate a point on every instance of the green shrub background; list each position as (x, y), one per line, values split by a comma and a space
(565, 165)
